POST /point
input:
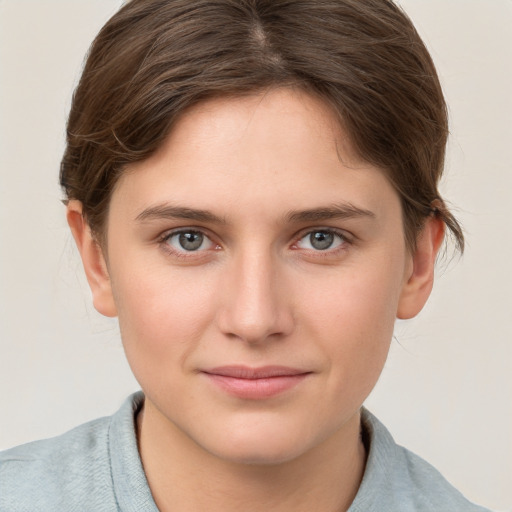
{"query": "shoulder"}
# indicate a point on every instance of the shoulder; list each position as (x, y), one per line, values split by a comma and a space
(397, 480)
(47, 473)
(70, 472)
(428, 489)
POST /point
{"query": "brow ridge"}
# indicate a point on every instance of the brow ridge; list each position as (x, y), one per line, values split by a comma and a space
(335, 211)
(166, 211)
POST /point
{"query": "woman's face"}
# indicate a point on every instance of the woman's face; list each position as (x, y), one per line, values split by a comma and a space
(256, 268)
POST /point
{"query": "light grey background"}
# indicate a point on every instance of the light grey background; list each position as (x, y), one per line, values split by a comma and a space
(446, 391)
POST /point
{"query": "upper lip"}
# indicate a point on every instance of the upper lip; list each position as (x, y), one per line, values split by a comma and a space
(247, 372)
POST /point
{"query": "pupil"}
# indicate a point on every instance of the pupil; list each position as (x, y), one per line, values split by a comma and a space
(321, 240)
(191, 241)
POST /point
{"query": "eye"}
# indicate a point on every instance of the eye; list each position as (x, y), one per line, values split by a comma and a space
(321, 240)
(188, 241)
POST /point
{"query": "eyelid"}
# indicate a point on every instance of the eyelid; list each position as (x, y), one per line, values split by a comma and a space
(347, 239)
(165, 235)
(168, 234)
(346, 235)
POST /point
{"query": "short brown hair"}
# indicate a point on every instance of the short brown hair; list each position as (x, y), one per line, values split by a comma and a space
(155, 58)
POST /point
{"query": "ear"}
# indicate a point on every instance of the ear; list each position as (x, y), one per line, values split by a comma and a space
(93, 260)
(420, 275)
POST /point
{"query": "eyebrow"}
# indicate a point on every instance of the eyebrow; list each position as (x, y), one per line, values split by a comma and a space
(165, 211)
(335, 211)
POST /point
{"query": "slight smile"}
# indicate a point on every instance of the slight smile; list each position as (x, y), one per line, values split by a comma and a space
(255, 383)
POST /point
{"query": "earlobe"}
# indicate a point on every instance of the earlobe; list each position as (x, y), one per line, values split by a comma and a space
(93, 260)
(420, 279)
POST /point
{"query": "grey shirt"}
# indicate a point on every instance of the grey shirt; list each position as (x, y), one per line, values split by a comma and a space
(96, 467)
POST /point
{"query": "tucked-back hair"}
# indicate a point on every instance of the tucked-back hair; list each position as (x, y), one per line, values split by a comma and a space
(156, 58)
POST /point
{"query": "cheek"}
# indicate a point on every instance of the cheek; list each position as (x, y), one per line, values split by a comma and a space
(357, 302)
(352, 316)
(162, 316)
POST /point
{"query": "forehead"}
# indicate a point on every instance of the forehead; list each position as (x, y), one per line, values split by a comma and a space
(268, 124)
(270, 152)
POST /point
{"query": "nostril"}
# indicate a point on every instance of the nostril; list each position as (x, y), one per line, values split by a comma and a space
(255, 325)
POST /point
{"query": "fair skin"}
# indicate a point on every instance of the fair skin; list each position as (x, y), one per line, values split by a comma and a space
(252, 241)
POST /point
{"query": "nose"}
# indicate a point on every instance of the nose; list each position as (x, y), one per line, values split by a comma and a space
(256, 307)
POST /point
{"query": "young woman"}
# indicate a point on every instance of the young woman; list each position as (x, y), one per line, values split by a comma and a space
(252, 185)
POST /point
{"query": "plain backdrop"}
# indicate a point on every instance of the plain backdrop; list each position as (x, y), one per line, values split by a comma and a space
(446, 390)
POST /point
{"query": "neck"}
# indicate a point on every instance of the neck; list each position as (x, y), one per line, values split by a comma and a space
(183, 476)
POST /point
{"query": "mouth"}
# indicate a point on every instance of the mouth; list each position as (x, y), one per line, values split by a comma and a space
(255, 383)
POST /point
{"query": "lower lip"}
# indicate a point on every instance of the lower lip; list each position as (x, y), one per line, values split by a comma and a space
(256, 389)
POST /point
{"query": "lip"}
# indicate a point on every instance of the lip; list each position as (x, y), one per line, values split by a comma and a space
(255, 383)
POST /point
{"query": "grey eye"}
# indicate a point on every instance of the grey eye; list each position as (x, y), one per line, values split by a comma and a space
(189, 241)
(321, 240)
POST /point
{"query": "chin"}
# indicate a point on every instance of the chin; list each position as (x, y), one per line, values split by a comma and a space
(258, 445)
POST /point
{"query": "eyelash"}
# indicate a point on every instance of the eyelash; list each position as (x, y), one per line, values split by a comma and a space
(166, 237)
(345, 240)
